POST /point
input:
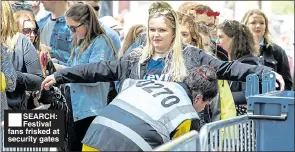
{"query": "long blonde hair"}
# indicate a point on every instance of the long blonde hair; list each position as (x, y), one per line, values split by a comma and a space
(174, 62)
(8, 26)
(131, 37)
(25, 15)
(267, 35)
(189, 22)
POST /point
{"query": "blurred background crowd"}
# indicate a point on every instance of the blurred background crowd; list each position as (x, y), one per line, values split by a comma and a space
(124, 14)
(41, 37)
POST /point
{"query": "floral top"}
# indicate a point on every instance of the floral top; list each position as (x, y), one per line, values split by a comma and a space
(10, 76)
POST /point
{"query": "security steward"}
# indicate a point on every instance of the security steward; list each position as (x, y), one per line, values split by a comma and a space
(147, 114)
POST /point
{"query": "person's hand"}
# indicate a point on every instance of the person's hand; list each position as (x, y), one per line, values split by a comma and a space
(54, 60)
(28, 93)
(58, 66)
(49, 81)
(281, 81)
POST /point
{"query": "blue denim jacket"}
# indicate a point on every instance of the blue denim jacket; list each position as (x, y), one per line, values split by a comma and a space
(6, 66)
(61, 38)
(114, 36)
(89, 98)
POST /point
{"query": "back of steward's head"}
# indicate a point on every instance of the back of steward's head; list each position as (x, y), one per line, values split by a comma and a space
(202, 81)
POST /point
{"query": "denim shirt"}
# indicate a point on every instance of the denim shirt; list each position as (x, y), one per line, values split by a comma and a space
(88, 98)
(61, 38)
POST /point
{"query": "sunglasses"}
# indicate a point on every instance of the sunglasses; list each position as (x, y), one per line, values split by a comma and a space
(96, 8)
(226, 22)
(28, 31)
(204, 25)
(203, 29)
(73, 28)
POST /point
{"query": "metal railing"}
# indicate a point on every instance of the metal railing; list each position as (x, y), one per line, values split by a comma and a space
(244, 133)
(187, 142)
(237, 134)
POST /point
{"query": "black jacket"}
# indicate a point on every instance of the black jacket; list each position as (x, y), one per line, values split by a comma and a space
(238, 88)
(129, 67)
(219, 52)
(276, 58)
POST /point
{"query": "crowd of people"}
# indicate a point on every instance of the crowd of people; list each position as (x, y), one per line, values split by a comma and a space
(139, 90)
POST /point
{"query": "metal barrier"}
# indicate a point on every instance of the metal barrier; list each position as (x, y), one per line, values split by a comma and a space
(248, 132)
(187, 142)
(237, 134)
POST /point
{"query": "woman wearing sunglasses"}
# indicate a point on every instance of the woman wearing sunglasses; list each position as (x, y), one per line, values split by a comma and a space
(25, 59)
(90, 45)
(28, 26)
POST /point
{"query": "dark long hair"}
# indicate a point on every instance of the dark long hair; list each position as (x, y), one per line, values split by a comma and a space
(242, 39)
(85, 14)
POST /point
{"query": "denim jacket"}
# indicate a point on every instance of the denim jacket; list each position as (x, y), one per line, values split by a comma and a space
(61, 38)
(113, 35)
(10, 77)
(88, 98)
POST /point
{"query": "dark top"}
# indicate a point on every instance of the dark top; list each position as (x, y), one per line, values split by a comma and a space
(276, 58)
(238, 88)
(129, 67)
(29, 74)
